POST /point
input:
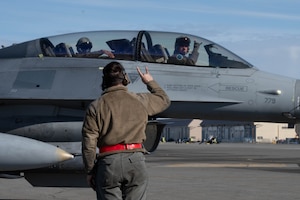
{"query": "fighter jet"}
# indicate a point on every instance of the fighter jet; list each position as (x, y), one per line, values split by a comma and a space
(48, 82)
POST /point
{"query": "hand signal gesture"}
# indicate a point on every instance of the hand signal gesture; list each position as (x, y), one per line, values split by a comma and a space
(146, 77)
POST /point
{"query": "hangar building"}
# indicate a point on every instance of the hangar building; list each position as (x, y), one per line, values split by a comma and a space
(227, 131)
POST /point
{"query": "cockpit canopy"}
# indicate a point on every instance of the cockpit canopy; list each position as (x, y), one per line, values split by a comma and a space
(144, 46)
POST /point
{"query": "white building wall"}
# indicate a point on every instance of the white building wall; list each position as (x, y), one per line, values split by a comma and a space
(271, 132)
(195, 130)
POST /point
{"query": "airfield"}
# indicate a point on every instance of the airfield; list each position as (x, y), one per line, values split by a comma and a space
(198, 171)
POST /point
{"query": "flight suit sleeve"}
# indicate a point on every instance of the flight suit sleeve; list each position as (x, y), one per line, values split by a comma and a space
(90, 134)
(193, 57)
(157, 100)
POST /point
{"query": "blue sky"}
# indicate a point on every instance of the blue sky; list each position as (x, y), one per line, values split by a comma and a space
(266, 33)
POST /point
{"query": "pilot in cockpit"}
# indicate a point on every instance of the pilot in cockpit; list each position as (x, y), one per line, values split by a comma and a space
(84, 46)
(182, 47)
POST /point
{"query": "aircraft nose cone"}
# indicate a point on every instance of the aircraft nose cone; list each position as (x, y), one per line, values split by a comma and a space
(20, 153)
(63, 155)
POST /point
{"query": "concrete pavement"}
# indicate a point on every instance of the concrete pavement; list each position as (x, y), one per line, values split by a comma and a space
(192, 171)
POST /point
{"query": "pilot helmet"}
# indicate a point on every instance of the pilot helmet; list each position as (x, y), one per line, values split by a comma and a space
(182, 41)
(84, 45)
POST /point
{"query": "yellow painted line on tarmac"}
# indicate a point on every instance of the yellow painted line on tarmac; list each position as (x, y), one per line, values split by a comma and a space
(223, 165)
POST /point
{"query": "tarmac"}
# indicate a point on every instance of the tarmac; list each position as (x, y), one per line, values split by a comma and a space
(222, 171)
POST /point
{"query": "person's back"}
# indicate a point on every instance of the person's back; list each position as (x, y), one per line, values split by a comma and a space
(116, 124)
(125, 112)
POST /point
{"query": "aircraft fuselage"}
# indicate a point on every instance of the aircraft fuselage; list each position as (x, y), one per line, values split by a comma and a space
(40, 90)
(46, 86)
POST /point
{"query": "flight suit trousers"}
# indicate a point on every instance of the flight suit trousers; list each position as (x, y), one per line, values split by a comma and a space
(122, 176)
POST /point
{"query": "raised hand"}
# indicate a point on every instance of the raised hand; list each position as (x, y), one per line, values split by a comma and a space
(146, 77)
